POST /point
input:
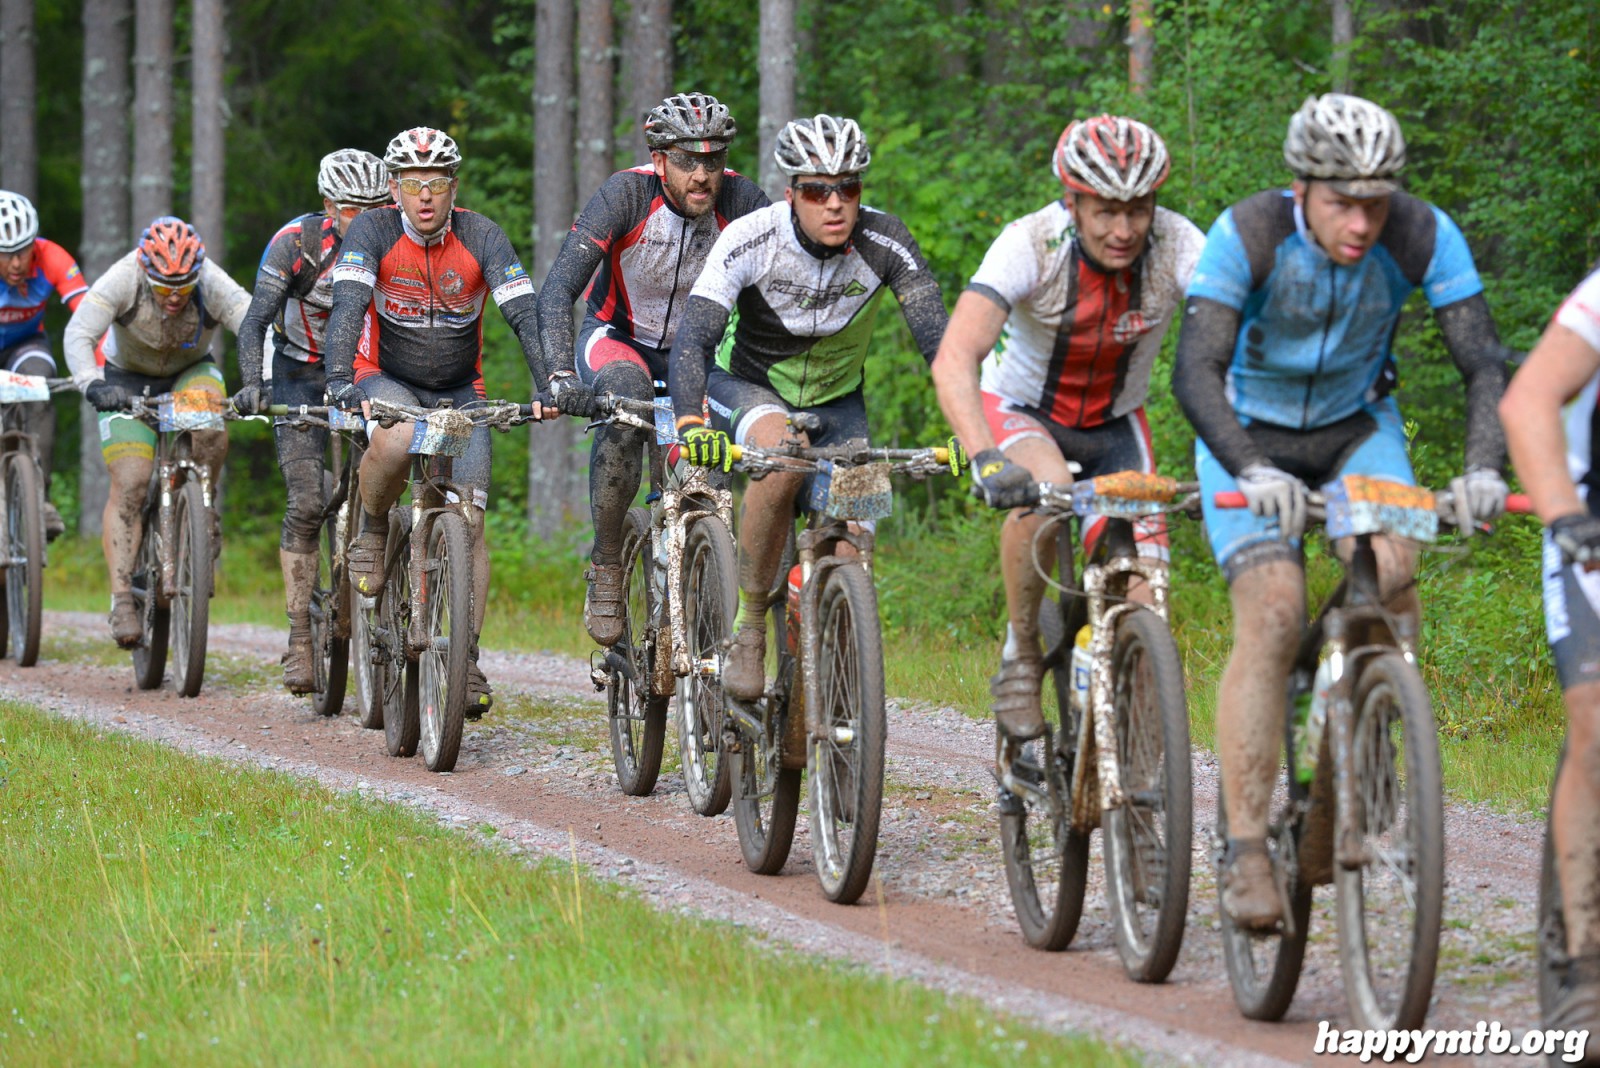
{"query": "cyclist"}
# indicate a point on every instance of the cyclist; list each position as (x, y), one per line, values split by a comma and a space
(1555, 455)
(31, 267)
(156, 309)
(409, 290)
(805, 277)
(648, 231)
(1284, 367)
(1066, 315)
(293, 295)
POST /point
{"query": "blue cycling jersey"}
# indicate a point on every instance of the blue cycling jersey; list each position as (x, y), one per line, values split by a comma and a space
(1314, 336)
(22, 307)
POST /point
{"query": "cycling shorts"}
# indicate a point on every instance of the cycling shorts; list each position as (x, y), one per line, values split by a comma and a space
(123, 436)
(295, 382)
(1121, 444)
(30, 356)
(601, 343)
(469, 470)
(1370, 442)
(1571, 617)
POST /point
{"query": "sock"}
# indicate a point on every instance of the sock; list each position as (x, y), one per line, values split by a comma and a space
(752, 611)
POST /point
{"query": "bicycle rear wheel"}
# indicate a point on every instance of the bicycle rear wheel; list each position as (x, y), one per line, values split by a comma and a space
(330, 605)
(191, 596)
(150, 655)
(637, 717)
(1147, 840)
(1390, 906)
(394, 673)
(442, 666)
(25, 553)
(710, 600)
(846, 767)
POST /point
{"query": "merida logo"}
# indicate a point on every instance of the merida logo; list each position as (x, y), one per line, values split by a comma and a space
(810, 299)
(755, 242)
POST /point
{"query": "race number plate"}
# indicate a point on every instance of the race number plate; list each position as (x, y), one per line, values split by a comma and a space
(20, 389)
(1124, 495)
(443, 433)
(860, 492)
(190, 409)
(666, 425)
(1360, 505)
(339, 419)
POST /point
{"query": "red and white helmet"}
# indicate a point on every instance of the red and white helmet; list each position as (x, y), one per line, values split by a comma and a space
(171, 251)
(422, 148)
(1111, 156)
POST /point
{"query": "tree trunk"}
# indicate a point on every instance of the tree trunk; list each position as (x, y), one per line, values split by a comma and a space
(557, 474)
(207, 159)
(649, 66)
(152, 113)
(777, 86)
(596, 79)
(1141, 45)
(19, 153)
(1344, 33)
(104, 181)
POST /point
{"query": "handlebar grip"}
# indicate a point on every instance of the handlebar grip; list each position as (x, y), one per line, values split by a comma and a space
(941, 454)
(1230, 499)
(735, 453)
(1519, 504)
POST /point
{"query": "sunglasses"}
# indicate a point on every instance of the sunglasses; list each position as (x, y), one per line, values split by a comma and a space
(436, 186)
(688, 162)
(350, 211)
(163, 291)
(849, 190)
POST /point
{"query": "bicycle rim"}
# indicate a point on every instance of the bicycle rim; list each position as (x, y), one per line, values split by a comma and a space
(396, 674)
(846, 767)
(766, 802)
(191, 596)
(442, 667)
(710, 599)
(636, 717)
(25, 545)
(1147, 840)
(1264, 969)
(331, 654)
(363, 670)
(1047, 862)
(1390, 906)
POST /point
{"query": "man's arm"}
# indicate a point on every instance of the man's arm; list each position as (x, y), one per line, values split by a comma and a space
(573, 267)
(62, 271)
(273, 279)
(970, 335)
(1199, 381)
(704, 320)
(226, 300)
(105, 300)
(354, 276)
(1470, 335)
(1557, 368)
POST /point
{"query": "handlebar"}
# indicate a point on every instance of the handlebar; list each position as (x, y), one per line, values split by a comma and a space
(1516, 503)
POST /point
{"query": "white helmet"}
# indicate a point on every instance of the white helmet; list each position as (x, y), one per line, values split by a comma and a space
(694, 122)
(351, 176)
(822, 145)
(422, 148)
(1112, 157)
(1352, 143)
(19, 223)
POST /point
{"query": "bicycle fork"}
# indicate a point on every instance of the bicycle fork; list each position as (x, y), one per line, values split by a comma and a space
(167, 519)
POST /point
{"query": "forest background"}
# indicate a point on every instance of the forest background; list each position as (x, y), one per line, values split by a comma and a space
(962, 101)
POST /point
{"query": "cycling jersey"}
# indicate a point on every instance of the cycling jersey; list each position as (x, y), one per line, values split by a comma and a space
(805, 312)
(642, 255)
(1580, 313)
(22, 307)
(414, 304)
(293, 294)
(144, 339)
(1079, 341)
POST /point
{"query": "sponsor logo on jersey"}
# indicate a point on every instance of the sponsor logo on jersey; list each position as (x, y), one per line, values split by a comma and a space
(9, 316)
(450, 282)
(755, 242)
(1131, 325)
(354, 258)
(1018, 422)
(400, 310)
(409, 283)
(515, 271)
(810, 299)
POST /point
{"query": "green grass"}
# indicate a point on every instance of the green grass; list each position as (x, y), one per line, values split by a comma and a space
(161, 909)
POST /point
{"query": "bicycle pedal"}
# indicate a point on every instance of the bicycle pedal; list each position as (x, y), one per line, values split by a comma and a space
(597, 674)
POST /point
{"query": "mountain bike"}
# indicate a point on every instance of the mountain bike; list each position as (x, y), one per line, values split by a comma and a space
(420, 631)
(22, 490)
(1119, 758)
(823, 710)
(678, 543)
(1360, 803)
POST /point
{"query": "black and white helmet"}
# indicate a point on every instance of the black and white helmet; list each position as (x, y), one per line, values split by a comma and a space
(422, 148)
(694, 122)
(351, 176)
(1352, 143)
(822, 144)
(19, 223)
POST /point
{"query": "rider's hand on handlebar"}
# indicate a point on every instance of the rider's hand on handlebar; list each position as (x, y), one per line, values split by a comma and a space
(1578, 537)
(104, 397)
(345, 394)
(959, 460)
(999, 483)
(1478, 496)
(572, 397)
(250, 400)
(705, 447)
(1274, 493)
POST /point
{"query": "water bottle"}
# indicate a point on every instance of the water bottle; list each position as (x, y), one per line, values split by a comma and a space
(1311, 716)
(791, 628)
(1082, 666)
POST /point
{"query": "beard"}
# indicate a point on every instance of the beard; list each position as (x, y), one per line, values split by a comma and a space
(679, 187)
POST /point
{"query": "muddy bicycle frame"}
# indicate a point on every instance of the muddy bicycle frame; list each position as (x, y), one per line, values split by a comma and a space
(173, 466)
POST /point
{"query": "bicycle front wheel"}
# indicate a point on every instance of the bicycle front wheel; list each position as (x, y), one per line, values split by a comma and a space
(846, 766)
(637, 717)
(394, 673)
(442, 666)
(1390, 903)
(1147, 839)
(150, 655)
(25, 552)
(710, 599)
(191, 597)
(330, 606)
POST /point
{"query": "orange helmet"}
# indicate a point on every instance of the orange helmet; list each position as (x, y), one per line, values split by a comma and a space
(171, 251)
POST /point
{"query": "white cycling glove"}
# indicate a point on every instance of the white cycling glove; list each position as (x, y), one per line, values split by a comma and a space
(1478, 496)
(1273, 493)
